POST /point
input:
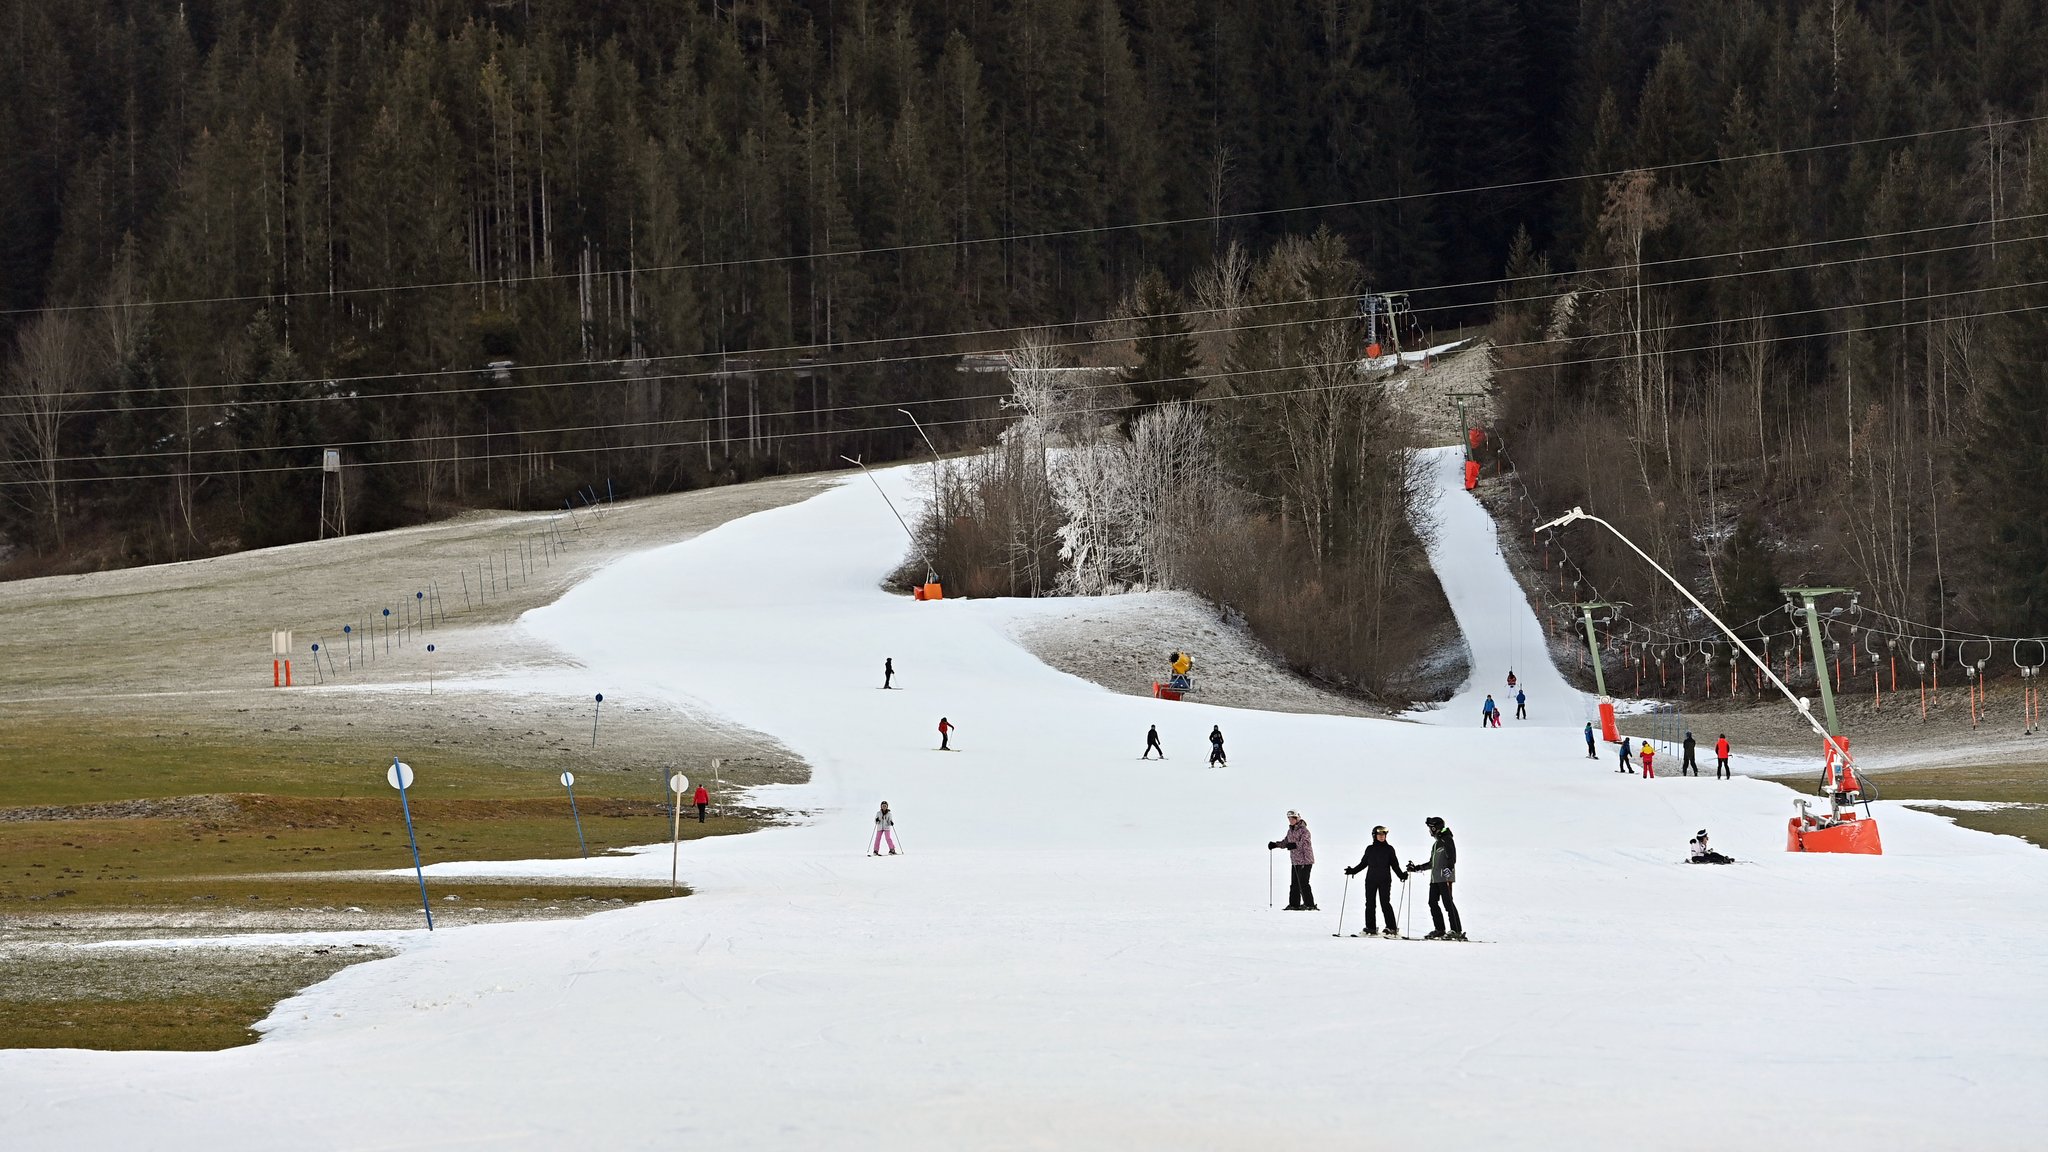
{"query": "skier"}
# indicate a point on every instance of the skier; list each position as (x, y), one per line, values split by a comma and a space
(1216, 755)
(1701, 854)
(1301, 854)
(1590, 755)
(888, 670)
(1521, 705)
(1486, 712)
(885, 829)
(702, 800)
(1152, 744)
(1649, 761)
(1721, 758)
(1688, 766)
(1511, 677)
(1443, 863)
(945, 728)
(1625, 752)
(1380, 866)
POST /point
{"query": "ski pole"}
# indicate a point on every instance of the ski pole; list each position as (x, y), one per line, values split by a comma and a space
(1269, 879)
(1342, 902)
(1407, 906)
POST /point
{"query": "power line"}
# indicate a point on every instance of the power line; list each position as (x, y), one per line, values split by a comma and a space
(1025, 237)
(1347, 363)
(814, 366)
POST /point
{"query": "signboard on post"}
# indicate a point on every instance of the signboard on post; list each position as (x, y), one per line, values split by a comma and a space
(330, 460)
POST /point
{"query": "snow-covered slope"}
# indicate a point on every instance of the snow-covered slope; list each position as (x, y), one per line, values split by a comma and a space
(1078, 952)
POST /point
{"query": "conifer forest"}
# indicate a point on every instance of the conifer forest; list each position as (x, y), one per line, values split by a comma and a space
(1764, 282)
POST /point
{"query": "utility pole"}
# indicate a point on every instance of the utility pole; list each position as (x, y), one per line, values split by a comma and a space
(1820, 659)
(1593, 644)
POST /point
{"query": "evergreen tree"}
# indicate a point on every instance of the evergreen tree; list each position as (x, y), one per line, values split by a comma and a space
(1167, 359)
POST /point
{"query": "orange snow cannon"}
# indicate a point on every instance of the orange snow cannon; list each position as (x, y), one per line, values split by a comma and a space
(1849, 833)
(1841, 830)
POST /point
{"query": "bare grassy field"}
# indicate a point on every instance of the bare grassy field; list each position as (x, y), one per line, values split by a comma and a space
(154, 785)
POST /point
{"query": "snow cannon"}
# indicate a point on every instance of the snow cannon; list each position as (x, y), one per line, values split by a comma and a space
(1841, 830)
(1178, 682)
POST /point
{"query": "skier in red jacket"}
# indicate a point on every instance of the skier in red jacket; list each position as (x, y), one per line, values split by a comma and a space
(1721, 758)
(945, 728)
(703, 801)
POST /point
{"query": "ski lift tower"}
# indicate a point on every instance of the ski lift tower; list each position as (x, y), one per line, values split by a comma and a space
(1608, 731)
(1382, 308)
(330, 476)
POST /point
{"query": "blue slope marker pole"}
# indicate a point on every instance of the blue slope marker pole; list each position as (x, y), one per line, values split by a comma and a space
(400, 777)
(594, 710)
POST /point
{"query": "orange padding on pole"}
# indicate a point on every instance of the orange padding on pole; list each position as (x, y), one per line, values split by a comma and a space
(287, 673)
(276, 680)
(1471, 475)
(1608, 732)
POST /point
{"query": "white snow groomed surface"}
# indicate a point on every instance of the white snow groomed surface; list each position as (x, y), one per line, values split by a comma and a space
(1077, 951)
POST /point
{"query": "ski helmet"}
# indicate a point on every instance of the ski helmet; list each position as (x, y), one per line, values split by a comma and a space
(1379, 830)
(1435, 823)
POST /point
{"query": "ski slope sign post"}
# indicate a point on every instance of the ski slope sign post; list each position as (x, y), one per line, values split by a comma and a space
(594, 710)
(399, 776)
(678, 784)
(569, 782)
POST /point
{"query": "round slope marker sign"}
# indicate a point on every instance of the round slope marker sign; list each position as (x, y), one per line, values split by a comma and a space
(679, 783)
(568, 779)
(399, 775)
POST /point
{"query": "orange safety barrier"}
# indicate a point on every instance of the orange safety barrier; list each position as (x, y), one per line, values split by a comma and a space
(1471, 475)
(1162, 692)
(1608, 731)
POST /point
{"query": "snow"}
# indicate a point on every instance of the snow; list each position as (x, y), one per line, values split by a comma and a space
(1077, 950)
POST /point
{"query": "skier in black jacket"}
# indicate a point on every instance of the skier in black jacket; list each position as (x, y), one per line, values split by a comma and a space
(1443, 863)
(1689, 766)
(1380, 866)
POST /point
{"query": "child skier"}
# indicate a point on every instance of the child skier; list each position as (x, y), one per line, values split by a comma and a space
(1216, 755)
(1381, 866)
(1152, 744)
(885, 829)
(1649, 761)
(1701, 854)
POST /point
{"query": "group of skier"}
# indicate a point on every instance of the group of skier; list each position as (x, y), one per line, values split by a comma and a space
(1646, 754)
(1382, 866)
(1216, 756)
(1490, 712)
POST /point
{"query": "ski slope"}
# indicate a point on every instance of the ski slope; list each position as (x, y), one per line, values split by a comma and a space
(1077, 950)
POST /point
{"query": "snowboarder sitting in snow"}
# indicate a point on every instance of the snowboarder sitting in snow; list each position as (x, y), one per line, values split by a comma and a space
(1443, 863)
(1701, 854)
(1301, 854)
(1381, 867)
(1216, 747)
(1152, 744)
(885, 829)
